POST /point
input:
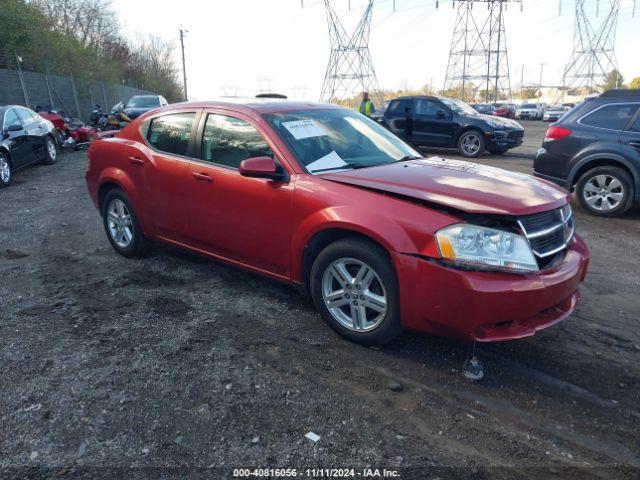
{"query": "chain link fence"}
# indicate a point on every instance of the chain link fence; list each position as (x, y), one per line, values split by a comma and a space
(77, 98)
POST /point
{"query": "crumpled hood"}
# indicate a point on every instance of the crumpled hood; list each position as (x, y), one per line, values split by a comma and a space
(466, 186)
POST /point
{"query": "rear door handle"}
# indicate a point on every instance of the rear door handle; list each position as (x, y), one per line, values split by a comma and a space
(136, 161)
(635, 143)
(203, 177)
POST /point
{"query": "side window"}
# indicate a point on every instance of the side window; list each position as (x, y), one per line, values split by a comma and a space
(427, 107)
(25, 116)
(11, 118)
(613, 117)
(397, 107)
(228, 141)
(170, 133)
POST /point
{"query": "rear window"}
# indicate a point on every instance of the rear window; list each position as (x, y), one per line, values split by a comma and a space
(612, 117)
(170, 133)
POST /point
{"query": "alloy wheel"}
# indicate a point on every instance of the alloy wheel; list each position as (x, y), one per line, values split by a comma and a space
(119, 223)
(5, 170)
(603, 192)
(354, 294)
(51, 150)
(470, 145)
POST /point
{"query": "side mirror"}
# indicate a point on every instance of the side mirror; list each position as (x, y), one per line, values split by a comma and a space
(262, 167)
(441, 114)
(14, 128)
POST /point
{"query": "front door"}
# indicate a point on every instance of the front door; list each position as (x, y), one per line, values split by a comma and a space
(247, 220)
(630, 140)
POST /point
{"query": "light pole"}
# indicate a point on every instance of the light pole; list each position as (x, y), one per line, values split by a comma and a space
(540, 84)
(184, 68)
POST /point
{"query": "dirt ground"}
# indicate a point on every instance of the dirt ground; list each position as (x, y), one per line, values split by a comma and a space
(178, 367)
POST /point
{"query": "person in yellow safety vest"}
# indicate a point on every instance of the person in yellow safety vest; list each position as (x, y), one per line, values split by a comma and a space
(366, 106)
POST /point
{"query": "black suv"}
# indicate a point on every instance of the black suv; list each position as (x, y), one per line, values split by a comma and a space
(594, 149)
(449, 122)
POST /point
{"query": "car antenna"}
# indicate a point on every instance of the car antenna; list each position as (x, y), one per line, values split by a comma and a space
(473, 369)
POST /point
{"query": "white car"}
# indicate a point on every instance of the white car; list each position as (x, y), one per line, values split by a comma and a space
(554, 113)
(531, 111)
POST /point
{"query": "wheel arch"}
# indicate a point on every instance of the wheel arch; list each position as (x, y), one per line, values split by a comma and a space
(5, 152)
(601, 161)
(325, 237)
(466, 129)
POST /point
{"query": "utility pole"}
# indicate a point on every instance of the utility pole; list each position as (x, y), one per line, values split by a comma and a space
(184, 67)
(522, 82)
(540, 83)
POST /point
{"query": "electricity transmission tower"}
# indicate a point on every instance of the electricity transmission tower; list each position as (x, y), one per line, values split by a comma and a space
(593, 55)
(350, 70)
(478, 64)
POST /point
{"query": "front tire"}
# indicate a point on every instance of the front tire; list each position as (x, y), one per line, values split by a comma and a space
(355, 288)
(471, 144)
(51, 152)
(6, 172)
(605, 191)
(122, 227)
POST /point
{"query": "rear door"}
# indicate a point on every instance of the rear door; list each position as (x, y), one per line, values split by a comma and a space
(398, 118)
(33, 132)
(162, 170)
(432, 123)
(19, 147)
(630, 140)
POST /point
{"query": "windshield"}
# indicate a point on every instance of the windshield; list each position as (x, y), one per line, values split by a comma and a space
(529, 105)
(458, 106)
(143, 102)
(338, 139)
(556, 108)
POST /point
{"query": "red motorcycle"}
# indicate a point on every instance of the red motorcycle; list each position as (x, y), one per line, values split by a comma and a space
(71, 134)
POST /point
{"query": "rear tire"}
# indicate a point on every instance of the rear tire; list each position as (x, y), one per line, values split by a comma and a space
(471, 144)
(122, 227)
(365, 307)
(606, 191)
(6, 172)
(50, 151)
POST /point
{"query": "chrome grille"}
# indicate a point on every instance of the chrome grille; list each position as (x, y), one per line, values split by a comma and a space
(548, 232)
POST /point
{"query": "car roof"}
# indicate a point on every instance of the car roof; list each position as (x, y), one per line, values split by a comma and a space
(257, 105)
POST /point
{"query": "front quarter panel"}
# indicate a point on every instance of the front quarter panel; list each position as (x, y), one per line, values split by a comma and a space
(398, 225)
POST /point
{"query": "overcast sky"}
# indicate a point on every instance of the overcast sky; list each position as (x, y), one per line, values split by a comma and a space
(242, 46)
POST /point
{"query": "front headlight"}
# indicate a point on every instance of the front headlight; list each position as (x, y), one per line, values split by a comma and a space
(495, 124)
(488, 248)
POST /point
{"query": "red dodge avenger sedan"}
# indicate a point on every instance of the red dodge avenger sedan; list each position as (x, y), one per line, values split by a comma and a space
(324, 198)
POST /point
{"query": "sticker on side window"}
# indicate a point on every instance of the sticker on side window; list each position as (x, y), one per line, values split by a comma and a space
(331, 161)
(301, 129)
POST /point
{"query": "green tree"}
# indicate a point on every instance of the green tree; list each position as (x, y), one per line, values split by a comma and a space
(613, 80)
(635, 83)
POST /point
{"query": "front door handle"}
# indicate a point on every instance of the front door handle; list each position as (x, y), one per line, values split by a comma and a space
(136, 161)
(635, 143)
(203, 177)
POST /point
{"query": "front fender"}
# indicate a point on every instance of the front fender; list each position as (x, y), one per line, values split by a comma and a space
(384, 230)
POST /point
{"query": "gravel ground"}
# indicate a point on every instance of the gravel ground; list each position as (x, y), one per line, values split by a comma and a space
(178, 367)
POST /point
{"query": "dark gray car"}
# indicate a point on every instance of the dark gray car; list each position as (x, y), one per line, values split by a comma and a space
(594, 149)
(25, 138)
(140, 104)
